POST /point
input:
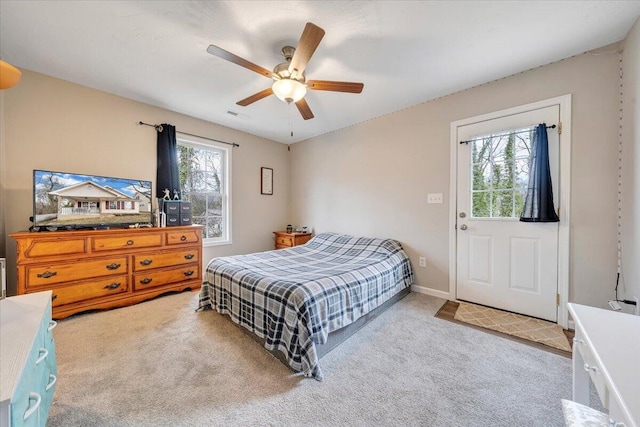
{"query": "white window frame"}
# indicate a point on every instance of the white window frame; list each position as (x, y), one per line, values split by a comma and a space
(194, 141)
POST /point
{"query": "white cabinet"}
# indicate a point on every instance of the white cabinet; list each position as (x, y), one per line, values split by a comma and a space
(28, 371)
(607, 349)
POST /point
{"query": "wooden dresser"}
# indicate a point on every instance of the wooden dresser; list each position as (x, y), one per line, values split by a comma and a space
(99, 269)
(288, 240)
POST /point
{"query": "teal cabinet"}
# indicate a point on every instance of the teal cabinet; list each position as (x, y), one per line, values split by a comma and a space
(28, 372)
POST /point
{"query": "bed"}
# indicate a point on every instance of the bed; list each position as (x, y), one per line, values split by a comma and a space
(295, 300)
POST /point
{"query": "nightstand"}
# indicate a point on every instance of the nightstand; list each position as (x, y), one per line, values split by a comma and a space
(288, 240)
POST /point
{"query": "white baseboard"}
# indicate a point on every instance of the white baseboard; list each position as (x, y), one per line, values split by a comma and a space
(571, 325)
(428, 291)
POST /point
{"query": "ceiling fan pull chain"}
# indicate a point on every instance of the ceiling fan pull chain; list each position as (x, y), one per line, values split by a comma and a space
(290, 129)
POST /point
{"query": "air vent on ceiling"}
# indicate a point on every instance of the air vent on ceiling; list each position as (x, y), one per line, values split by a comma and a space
(238, 115)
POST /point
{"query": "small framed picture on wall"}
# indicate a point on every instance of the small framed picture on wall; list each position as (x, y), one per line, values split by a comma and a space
(266, 181)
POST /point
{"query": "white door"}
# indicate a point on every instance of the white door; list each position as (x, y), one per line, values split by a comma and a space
(502, 262)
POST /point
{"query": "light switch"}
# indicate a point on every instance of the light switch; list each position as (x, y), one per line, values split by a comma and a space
(434, 198)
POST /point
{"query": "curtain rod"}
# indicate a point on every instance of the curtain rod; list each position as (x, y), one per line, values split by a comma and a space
(503, 134)
(158, 128)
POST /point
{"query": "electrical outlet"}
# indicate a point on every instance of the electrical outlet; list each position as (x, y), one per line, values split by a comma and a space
(423, 261)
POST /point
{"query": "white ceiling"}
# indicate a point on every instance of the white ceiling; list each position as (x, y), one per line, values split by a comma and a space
(405, 52)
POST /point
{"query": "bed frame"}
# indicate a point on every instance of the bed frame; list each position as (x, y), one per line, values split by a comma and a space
(336, 337)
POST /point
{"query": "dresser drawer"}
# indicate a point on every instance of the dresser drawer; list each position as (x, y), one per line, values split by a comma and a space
(46, 275)
(145, 280)
(149, 261)
(90, 290)
(46, 364)
(48, 325)
(284, 241)
(126, 242)
(46, 248)
(182, 237)
(591, 366)
(27, 398)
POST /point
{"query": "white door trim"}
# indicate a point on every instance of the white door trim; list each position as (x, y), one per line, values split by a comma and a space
(564, 195)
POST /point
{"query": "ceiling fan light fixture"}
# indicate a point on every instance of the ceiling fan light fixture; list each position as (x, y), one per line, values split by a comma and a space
(9, 75)
(289, 90)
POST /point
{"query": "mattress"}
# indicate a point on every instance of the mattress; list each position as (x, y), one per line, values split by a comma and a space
(293, 298)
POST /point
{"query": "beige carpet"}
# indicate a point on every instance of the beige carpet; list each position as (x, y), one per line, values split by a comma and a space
(531, 329)
(160, 363)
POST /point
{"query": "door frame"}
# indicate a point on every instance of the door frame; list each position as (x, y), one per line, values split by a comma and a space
(564, 196)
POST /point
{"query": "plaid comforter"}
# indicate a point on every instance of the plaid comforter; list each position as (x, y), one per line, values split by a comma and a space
(294, 297)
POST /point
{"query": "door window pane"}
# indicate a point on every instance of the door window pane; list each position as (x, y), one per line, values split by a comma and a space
(500, 173)
(481, 204)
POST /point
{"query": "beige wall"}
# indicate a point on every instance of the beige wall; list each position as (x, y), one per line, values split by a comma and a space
(56, 125)
(373, 178)
(630, 235)
(369, 179)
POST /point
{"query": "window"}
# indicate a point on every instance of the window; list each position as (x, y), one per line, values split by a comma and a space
(205, 180)
(500, 173)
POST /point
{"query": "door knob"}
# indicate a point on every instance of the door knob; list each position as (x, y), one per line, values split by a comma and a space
(463, 227)
(463, 214)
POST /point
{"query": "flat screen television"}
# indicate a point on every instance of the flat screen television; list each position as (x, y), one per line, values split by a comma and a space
(72, 201)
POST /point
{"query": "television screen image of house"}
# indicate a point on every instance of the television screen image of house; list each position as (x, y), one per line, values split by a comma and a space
(67, 199)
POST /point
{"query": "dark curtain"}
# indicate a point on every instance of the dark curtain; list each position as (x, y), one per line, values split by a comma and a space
(538, 204)
(167, 175)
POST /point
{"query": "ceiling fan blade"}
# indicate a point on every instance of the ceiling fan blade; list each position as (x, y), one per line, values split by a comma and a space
(335, 86)
(304, 109)
(309, 41)
(255, 97)
(221, 53)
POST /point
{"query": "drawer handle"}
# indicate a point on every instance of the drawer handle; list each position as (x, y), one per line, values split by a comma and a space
(52, 325)
(188, 256)
(578, 341)
(146, 281)
(48, 274)
(129, 242)
(53, 297)
(113, 266)
(44, 353)
(188, 273)
(589, 368)
(146, 262)
(183, 238)
(52, 381)
(32, 396)
(114, 285)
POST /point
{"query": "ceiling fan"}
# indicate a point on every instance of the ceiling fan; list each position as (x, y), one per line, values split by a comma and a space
(289, 81)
